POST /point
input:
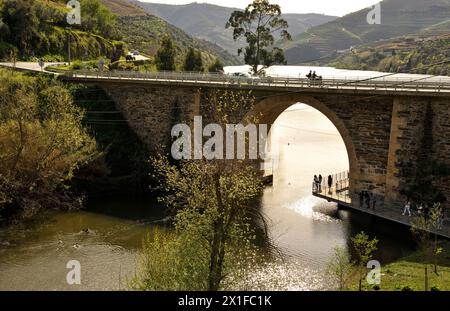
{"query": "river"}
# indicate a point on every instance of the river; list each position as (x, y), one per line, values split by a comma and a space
(303, 228)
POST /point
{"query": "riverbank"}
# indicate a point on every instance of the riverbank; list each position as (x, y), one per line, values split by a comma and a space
(408, 273)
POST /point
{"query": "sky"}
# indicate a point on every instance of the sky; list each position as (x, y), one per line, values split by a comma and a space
(329, 7)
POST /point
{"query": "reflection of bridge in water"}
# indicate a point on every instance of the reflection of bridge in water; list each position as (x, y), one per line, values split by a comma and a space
(339, 193)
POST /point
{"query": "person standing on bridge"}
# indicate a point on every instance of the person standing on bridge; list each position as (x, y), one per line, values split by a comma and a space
(320, 183)
(330, 183)
(407, 209)
(316, 184)
(367, 199)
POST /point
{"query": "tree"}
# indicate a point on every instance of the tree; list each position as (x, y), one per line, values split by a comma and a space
(193, 61)
(341, 268)
(422, 228)
(258, 23)
(118, 52)
(42, 144)
(165, 56)
(217, 66)
(22, 21)
(364, 249)
(98, 19)
(211, 200)
(4, 29)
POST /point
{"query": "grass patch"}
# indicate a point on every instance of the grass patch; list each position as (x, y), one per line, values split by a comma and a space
(408, 273)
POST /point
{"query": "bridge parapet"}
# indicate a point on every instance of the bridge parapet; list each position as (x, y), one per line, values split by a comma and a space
(382, 85)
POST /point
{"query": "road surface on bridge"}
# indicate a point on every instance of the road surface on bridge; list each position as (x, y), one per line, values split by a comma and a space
(383, 84)
(283, 78)
(31, 66)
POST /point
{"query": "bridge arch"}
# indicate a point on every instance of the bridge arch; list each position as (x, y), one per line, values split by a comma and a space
(270, 108)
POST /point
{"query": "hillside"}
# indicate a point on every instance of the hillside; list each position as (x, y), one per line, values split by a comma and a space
(143, 31)
(124, 8)
(206, 21)
(398, 18)
(37, 29)
(406, 54)
(31, 29)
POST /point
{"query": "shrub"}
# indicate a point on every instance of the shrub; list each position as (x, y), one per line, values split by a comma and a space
(406, 288)
(42, 142)
(76, 65)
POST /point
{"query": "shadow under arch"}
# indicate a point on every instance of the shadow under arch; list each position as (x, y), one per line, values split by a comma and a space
(270, 108)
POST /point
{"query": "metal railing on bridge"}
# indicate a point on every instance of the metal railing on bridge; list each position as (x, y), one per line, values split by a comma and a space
(409, 84)
(336, 189)
(339, 192)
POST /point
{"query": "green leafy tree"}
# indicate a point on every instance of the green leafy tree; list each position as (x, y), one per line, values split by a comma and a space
(165, 56)
(42, 143)
(118, 52)
(217, 66)
(341, 268)
(21, 19)
(422, 229)
(98, 19)
(4, 29)
(212, 201)
(258, 23)
(193, 61)
(364, 248)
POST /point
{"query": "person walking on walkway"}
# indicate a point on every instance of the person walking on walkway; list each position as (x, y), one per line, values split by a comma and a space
(316, 183)
(420, 209)
(361, 199)
(426, 212)
(320, 183)
(330, 183)
(407, 209)
(367, 197)
(374, 201)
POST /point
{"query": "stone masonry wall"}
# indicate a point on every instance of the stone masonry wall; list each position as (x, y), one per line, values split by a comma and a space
(151, 112)
(386, 132)
(441, 145)
(407, 130)
(368, 122)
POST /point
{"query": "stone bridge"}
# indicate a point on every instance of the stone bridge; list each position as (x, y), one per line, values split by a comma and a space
(389, 127)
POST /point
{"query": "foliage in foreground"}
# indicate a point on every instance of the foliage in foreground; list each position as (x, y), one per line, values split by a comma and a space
(343, 270)
(42, 142)
(421, 230)
(408, 273)
(212, 201)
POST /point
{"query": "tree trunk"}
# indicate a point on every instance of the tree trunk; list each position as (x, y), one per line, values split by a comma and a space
(435, 254)
(216, 259)
(426, 278)
(218, 244)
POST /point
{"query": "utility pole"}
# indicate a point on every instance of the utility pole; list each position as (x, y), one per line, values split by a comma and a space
(68, 43)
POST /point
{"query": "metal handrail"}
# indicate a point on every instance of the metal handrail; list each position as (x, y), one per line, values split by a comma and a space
(334, 193)
(407, 83)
